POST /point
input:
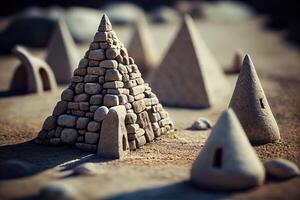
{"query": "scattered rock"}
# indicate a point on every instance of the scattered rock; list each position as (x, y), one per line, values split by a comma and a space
(69, 136)
(281, 168)
(201, 124)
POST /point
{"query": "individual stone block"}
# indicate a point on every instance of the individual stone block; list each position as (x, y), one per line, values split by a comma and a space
(125, 77)
(84, 106)
(77, 79)
(122, 69)
(114, 84)
(58, 131)
(100, 113)
(94, 70)
(132, 128)
(80, 72)
(60, 108)
(50, 123)
(81, 98)
(94, 45)
(140, 141)
(91, 78)
(113, 75)
(55, 141)
(91, 138)
(113, 141)
(78, 113)
(66, 120)
(144, 122)
(130, 118)
(111, 100)
(82, 122)
(139, 106)
(122, 99)
(154, 117)
(79, 88)
(93, 108)
(139, 97)
(89, 115)
(96, 99)
(69, 136)
(101, 79)
(105, 24)
(112, 53)
(83, 63)
(93, 63)
(93, 126)
(137, 90)
(100, 37)
(97, 54)
(80, 139)
(109, 64)
(73, 106)
(67, 95)
(92, 88)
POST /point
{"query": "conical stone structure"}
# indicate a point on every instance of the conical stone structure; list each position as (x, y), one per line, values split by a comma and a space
(227, 161)
(250, 104)
(105, 78)
(189, 76)
(62, 54)
(142, 48)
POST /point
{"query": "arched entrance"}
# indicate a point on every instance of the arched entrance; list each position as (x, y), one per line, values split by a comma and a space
(45, 79)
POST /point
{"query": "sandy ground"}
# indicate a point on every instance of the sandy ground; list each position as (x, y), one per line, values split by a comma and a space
(161, 169)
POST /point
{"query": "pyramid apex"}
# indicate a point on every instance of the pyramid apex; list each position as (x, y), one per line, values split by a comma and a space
(105, 24)
(247, 60)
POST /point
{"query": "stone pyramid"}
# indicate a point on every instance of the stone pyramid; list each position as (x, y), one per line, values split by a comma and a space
(227, 160)
(62, 53)
(235, 66)
(105, 78)
(189, 76)
(142, 47)
(250, 104)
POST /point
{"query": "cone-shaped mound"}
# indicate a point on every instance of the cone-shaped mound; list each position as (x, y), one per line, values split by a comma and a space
(227, 160)
(189, 76)
(105, 78)
(142, 48)
(250, 104)
(62, 53)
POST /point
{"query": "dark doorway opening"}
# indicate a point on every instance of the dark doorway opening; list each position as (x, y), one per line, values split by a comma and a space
(45, 79)
(217, 162)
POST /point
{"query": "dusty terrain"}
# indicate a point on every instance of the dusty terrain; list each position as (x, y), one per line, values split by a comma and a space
(160, 169)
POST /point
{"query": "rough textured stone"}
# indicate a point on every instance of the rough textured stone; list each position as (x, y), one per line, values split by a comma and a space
(109, 64)
(84, 106)
(100, 113)
(55, 141)
(83, 63)
(112, 53)
(82, 122)
(130, 118)
(69, 136)
(92, 88)
(227, 161)
(60, 108)
(50, 123)
(113, 141)
(91, 138)
(201, 124)
(144, 122)
(113, 75)
(101, 37)
(111, 100)
(67, 120)
(97, 54)
(91, 78)
(139, 106)
(281, 168)
(67, 95)
(81, 98)
(73, 106)
(93, 126)
(96, 99)
(79, 88)
(137, 90)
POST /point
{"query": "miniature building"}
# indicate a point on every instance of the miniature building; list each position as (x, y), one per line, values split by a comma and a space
(227, 160)
(33, 75)
(250, 104)
(189, 76)
(236, 64)
(106, 78)
(62, 53)
(142, 48)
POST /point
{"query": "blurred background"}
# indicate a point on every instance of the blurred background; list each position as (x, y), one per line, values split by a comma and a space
(31, 22)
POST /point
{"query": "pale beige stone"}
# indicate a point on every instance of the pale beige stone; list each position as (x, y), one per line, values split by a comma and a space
(113, 142)
(227, 161)
(250, 104)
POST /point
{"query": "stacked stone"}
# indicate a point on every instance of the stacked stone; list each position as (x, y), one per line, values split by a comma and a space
(105, 77)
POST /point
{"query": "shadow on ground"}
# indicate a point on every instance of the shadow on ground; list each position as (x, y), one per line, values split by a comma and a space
(182, 190)
(45, 157)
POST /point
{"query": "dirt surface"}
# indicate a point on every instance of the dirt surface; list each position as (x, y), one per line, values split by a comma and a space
(160, 169)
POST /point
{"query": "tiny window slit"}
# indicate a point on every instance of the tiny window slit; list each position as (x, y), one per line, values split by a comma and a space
(261, 103)
(217, 163)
